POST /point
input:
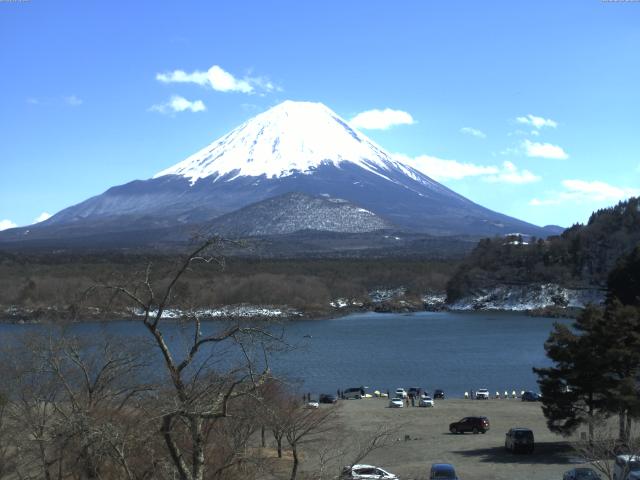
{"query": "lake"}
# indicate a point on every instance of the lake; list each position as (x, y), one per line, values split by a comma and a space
(453, 351)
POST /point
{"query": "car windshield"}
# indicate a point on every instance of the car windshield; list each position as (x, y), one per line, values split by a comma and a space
(585, 474)
(523, 434)
(443, 474)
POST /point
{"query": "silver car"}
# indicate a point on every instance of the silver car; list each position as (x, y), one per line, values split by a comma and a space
(366, 472)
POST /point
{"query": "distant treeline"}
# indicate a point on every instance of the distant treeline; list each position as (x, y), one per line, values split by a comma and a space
(582, 256)
(57, 281)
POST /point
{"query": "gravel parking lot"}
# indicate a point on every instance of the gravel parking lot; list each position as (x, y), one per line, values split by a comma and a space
(424, 438)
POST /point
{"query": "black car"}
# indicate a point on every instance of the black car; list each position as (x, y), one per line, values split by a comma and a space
(530, 397)
(470, 424)
(438, 394)
(327, 398)
(413, 392)
(519, 440)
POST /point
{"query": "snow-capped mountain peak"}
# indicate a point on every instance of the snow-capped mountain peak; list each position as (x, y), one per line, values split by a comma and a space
(292, 137)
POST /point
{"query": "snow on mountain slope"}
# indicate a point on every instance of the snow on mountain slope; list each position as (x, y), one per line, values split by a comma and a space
(292, 137)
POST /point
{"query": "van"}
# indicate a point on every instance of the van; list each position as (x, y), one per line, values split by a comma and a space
(353, 393)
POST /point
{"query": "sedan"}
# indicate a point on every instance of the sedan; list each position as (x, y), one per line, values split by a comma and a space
(438, 394)
(366, 472)
(401, 392)
(425, 402)
(530, 397)
(581, 474)
(396, 402)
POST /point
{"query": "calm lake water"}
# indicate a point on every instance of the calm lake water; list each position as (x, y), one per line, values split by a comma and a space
(452, 351)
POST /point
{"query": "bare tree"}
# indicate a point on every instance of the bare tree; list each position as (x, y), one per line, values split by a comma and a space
(208, 376)
(69, 406)
(346, 450)
(601, 450)
(301, 424)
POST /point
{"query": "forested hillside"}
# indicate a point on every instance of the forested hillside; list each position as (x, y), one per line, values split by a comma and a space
(580, 258)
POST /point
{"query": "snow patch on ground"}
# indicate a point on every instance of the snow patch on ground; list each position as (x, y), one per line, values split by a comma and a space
(529, 297)
(229, 311)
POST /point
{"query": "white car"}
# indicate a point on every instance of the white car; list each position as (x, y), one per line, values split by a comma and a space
(313, 404)
(401, 392)
(366, 472)
(425, 401)
(482, 394)
(626, 467)
(396, 402)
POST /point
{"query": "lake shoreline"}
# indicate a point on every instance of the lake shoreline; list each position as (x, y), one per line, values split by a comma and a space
(14, 315)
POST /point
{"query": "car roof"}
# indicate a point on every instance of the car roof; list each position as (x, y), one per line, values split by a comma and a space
(442, 466)
(629, 458)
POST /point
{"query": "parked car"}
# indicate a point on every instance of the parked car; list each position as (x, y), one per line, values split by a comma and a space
(425, 401)
(312, 404)
(438, 394)
(413, 392)
(581, 474)
(366, 472)
(401, 392)
(482, 394)
(442, 471)
(353, 393)
(327, 398)
(626, 467)
(396, 402)
(470, 424)
(530, 397)
(519, 440)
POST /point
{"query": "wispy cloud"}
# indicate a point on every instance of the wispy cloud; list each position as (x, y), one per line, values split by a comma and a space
(70, 101)
(474, 132)
(511, 174)
(381, 119)
(179, 104)
(544, 150)
(220, 80)
(442, 170)
(537, 122)
(73, 101)
(42, 217)
(6, 224)
(583, 191)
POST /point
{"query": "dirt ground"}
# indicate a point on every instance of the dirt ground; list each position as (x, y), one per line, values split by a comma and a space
(424, 439)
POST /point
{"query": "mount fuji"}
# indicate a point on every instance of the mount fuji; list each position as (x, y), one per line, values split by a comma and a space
(298, 148)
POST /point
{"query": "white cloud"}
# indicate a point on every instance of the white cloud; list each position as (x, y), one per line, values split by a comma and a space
(442, 170)
(474, 132)
(537, 122)
(544, 150)
(220, 80)
(179, 104)
(381, 119)
(42, 217)
(510, 174)
(73, 101)
(5, 224)
(583, 191)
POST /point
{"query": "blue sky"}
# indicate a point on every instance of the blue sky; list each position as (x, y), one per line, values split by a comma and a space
(529, 108)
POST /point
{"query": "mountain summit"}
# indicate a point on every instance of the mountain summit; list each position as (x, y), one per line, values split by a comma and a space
(294, 147)
(292, 137)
